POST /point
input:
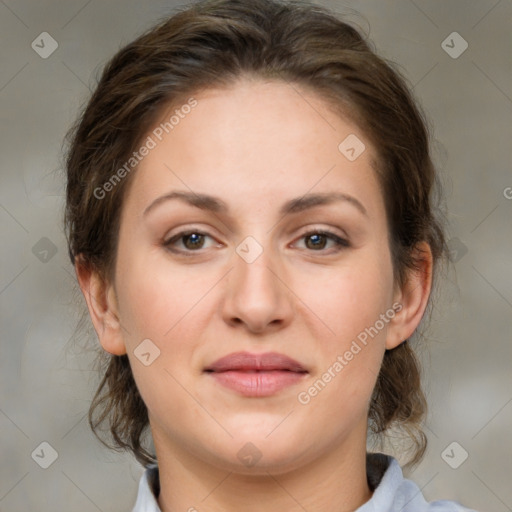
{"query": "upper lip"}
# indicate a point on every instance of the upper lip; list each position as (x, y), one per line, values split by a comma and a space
(247, 361)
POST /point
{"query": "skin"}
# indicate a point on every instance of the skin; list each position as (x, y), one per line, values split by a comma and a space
(255, 146)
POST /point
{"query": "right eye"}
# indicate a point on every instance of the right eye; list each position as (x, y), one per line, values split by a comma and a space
(187, 241)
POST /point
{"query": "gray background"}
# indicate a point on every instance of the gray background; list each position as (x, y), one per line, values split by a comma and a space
(46, 378)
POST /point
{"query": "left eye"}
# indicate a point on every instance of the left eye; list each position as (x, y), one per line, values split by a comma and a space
(317, 240)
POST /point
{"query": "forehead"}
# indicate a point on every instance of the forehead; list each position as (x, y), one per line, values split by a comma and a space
(256, 139)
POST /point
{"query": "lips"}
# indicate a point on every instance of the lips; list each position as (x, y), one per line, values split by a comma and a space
(246, 362)
(256, 375)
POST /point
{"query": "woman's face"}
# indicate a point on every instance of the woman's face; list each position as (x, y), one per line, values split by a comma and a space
(254, 275)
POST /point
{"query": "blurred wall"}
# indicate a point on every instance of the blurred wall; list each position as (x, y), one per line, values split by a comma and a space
(46, 379)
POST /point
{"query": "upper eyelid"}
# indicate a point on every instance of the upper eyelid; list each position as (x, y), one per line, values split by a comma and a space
(306, 231)
(330, 230)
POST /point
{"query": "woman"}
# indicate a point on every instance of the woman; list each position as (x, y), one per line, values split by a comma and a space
(250, 218)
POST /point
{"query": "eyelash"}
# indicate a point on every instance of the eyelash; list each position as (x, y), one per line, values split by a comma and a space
(341, 243)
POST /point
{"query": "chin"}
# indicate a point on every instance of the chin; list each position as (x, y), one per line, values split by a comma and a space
(254, 452)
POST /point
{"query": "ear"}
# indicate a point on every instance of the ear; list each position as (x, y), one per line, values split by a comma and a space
(102, 305)
(412, 297)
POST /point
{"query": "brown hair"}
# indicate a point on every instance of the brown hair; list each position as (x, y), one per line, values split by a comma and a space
(213, 43)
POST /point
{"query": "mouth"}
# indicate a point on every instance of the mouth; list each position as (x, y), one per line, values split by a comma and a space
(245, 361)
(256, 375)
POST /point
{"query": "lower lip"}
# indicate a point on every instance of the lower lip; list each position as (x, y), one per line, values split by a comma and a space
(257, 384)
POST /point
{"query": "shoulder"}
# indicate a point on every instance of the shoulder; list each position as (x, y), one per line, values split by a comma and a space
(393, 493)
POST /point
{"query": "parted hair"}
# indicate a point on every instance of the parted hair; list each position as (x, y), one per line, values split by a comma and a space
(212, 44)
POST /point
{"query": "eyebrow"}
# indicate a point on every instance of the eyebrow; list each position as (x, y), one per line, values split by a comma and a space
(299, 204)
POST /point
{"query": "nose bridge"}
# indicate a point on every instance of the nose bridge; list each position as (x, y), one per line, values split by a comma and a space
(254, 262)
(252, 268)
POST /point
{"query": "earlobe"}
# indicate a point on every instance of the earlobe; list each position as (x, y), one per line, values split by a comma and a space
(413, 298)
(101, 302)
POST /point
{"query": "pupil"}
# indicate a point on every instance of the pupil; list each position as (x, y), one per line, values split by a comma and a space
(194, 238)
(317, 241)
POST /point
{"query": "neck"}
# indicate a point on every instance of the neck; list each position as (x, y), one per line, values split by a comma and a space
(333, 482)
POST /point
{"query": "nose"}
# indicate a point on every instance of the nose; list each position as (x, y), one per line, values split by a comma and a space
(257, 295)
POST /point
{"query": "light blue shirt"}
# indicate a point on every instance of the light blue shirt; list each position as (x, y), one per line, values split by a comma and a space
(391, 491)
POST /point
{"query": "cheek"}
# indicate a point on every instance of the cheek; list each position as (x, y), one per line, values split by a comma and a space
(344, 309)
(348, 299)
(157, 300)
(167, 305)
